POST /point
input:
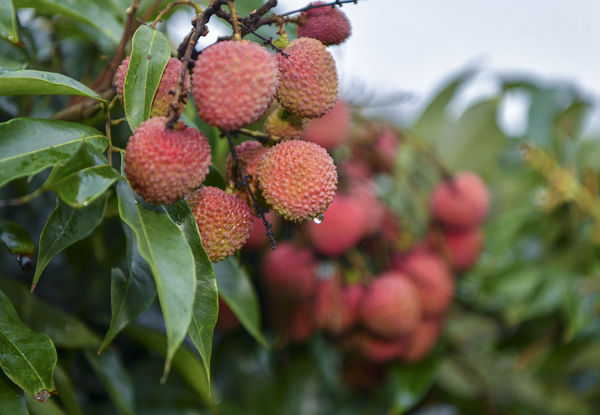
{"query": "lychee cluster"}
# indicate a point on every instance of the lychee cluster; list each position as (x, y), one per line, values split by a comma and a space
(326, 24)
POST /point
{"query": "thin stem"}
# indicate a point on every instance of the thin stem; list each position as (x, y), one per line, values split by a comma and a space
(23, 199)
(107, 127)
(317, 6)
(170, 6)
(263, 138)
(235, 24)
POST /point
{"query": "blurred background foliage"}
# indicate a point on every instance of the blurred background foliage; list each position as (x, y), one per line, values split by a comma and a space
(523, 333)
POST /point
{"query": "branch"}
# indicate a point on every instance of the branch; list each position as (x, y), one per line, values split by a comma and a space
(338, 3)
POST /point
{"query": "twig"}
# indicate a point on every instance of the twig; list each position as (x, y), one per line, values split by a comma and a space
(317, 6)
(235, 21)
(23, 199)
(170, 6)
(107, 128)
(263, 138)
(246, 185)
(269, 42)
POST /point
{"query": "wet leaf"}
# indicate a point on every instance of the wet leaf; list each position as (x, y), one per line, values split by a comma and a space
(31, 82)
(16, 238)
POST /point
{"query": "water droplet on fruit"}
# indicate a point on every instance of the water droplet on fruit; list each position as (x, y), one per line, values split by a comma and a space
(319, 219)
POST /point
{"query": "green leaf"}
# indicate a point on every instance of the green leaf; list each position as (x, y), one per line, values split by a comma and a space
(16, 238)
(411, 382)
(163, 245)
(12, 400)
(64, 227)
(116, 381)
(85, 186)
(65, 330)
(85, 11)
(30, 82)
(38, 408)
(30, 145)
(65, 391)
(27, 358)
(238, 293)
(206, 302)
(8, 21)
(150, 53)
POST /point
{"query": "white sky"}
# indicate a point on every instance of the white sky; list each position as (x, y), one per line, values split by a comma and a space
(414, 45)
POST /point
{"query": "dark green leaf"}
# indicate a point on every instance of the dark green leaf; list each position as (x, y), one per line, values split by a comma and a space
(238, 293)
(215, 178)
(111, 372)
(30, 82)
(27, 358)
(29, 145)
(65, 330)
(8, 21)
(85, 11)
(16, 238)
(150, 53)
(411, 382)
(206, 302)
(64, 227)
(12, 400)
(38, 408)
(83, 187)
(163, 245)
(65, 391)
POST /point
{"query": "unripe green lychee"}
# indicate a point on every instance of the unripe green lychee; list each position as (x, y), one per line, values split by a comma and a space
(224, 221)
(283, 124)
(298, 179)
(308, 79)
(461, 202)
(164, 165)
(326, 24)
(233, 83)
(168, 82)
(391, 306)
(331, 129)
(464, 246)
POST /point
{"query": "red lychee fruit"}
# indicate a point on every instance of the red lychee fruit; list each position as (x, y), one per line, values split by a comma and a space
(331, 129)
(249, 155)
(283, 124)
(328, 300)
(423, 339)
(377, 349)
(162, 165)
(300, 325)
(461, 202)
(234, 83)
(298, 179)
(168, 82)
(258, 236)
(308, 79)
(364, 193)
(289, 273)
(342, 226)
(351, 298)
(433, 280)
(386, 149)
(224, 221)
(326, 24)
(226, 320)
(464, 246)
(390, 306)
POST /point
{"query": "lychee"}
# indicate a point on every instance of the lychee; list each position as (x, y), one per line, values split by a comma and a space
(343, 225)
(300, 325)
(233, 83)
(326, 24)
(283, 124)
(226, 320)
(298, 179)
(433, 280)
(249, 155)
(308, 78)
(423, 339)
(224, 221)
(164, 165)
(461, 202)
(464, 246)
(377, 349)
(390, 306)
(331, 129)
(168, 82)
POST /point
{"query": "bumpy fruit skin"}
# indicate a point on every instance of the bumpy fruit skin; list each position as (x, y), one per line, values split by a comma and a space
(391, 306)
(224, 221)
(462, 202)
(343, 225)
(308, 79)
(326, 24)
(164, 165)
(464, 246)
(331, 129)
(433, 280)
(234, 83)
(282, 123)
(168, 82)
(298, 179)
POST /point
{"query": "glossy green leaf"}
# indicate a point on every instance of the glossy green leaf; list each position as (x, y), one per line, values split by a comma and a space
(411, 382)
(12, 400)
(85, 11)
(206, 302)
(185, 362)
(65, 330)
(8, 21)
(238, 293)
(16, 238)
(116, 381)
(163, 245)
(26, 357)
(150, 53)
(30, 82)
(66, 392)
(85, 186)
(38, 408)
(64, 227)
(30, 145)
